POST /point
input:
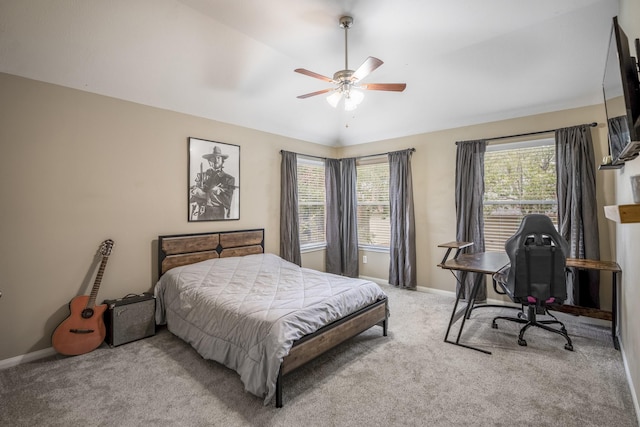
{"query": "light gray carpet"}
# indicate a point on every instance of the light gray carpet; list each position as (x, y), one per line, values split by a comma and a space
(410, 378)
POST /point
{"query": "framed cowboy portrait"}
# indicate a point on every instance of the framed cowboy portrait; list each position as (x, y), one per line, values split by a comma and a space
(214, 181)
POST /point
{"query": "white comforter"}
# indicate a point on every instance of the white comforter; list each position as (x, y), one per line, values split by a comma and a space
(246, 312)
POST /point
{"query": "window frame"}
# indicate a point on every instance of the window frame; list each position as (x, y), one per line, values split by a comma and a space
(314, 246)
(363, 161)
(530, 143)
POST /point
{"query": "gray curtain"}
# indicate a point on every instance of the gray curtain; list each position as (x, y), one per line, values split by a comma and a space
(289, 227)
(577, 214)
(333, 260)
(349, 218)
(469, 215)
(402, 251)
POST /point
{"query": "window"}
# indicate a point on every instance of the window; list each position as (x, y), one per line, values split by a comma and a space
(311, 198)
(520, 179)
(374, 225)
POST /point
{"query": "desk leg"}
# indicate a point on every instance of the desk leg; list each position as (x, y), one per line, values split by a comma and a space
(464, 313)
(474, 293)
(453, 319)
(614, 310)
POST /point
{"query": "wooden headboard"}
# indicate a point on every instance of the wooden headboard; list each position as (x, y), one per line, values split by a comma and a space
(182, 249)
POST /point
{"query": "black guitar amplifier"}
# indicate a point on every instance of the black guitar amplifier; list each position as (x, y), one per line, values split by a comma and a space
(130, 318)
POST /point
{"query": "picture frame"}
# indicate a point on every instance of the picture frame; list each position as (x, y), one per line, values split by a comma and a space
(213, 192)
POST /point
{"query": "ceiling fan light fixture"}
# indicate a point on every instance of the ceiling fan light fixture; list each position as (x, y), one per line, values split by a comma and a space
(349, 105)
(353, 98)
(334, 98)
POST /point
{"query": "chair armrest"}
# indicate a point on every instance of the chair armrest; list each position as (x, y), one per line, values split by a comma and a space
(495, 288)
(501, 276)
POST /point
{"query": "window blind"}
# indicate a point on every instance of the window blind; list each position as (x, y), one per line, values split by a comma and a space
(520, 179)
(311, 202)
(374, 226)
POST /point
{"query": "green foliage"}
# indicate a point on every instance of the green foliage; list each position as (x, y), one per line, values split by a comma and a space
(310, 183)
(522, 180)
(518, 182)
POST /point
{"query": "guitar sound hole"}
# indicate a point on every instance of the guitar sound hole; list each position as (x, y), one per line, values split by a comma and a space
(87, 313)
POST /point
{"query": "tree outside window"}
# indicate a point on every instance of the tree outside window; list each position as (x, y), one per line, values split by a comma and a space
(520, 179)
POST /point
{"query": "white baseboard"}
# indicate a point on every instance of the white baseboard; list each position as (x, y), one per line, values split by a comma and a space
(436, 291)
(375, 280)
(634, 395)
(26, 358)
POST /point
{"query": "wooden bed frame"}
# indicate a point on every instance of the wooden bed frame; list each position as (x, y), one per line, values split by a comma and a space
(182, 249)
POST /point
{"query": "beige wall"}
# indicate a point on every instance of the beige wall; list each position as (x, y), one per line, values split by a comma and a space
(627, 248)
(78, 168)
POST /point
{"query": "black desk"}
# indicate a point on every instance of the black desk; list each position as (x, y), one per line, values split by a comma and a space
(483, 263)
(492, 262)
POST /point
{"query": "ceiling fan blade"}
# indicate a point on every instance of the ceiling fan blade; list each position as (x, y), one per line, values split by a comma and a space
(366, 68)
(312, 74)
(320, 92)
(395, 87)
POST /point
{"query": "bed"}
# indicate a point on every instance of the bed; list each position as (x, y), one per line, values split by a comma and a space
(254, 312)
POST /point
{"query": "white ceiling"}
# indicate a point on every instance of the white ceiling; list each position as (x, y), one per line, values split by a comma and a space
(464, 61)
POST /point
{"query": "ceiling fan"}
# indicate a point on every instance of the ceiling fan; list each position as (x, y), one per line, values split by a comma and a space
(348, 81)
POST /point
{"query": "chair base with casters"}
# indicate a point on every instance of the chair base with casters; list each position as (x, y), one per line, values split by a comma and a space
(531, 320)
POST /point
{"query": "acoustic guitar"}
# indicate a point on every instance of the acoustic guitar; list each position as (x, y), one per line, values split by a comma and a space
(83, 331)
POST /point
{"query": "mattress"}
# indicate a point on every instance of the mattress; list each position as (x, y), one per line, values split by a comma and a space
(246, 312)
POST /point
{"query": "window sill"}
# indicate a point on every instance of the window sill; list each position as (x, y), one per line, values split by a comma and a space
(313, 248)
(381, 249)
(323, 246)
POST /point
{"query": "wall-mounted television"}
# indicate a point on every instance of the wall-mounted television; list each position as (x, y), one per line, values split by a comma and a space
(621, 89)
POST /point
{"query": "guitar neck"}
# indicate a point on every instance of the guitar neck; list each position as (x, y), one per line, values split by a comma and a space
(96, 283)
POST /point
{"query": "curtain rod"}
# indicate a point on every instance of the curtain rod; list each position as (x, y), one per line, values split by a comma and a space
(359, 157)
(593, 124)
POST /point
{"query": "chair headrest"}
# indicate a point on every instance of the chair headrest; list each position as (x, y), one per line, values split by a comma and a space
(539, 230)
